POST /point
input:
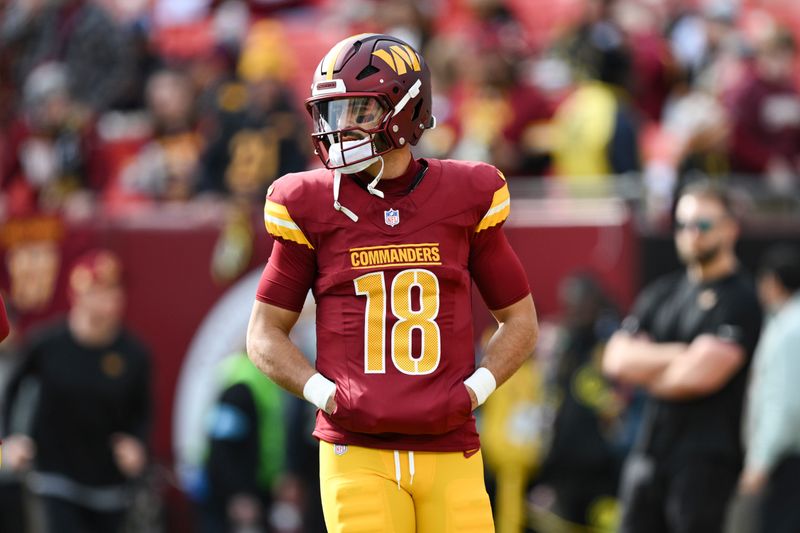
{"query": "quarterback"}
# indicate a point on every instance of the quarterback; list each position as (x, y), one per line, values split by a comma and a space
(390, 246)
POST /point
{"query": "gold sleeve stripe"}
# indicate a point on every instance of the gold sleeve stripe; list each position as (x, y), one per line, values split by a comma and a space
(280, 224)
(277, 211)
(502, 176)
(499, 210)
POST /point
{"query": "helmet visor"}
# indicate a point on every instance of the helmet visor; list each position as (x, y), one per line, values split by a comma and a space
(365, 113)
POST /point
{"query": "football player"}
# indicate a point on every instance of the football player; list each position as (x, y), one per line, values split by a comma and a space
(390, 246)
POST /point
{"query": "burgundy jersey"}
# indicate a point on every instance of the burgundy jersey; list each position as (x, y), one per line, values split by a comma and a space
(393, 292)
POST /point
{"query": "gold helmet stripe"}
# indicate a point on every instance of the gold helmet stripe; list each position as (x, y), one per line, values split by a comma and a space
(329, 63)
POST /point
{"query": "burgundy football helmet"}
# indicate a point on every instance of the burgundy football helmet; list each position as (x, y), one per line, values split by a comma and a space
(371, 93)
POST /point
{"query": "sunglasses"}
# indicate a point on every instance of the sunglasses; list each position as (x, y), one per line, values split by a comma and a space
(702, 225)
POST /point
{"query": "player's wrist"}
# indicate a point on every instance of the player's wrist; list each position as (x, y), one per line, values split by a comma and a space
(318, 390)
(482, 382)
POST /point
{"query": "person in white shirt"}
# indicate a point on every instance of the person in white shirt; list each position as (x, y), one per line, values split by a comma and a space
(772, 427)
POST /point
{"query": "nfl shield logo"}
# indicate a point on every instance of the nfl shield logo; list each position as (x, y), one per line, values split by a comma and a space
(391, 217)
(339, 449)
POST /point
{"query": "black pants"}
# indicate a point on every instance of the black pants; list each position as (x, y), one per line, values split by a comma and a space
(691, 497)
(780, 508)
(62, 516)
(12, 508)
(576, 497)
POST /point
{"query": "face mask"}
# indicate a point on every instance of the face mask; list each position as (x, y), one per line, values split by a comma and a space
(355, 150)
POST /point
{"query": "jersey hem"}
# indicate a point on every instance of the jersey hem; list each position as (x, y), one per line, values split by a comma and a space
(270, 301)
(510, 301)
(461, 445)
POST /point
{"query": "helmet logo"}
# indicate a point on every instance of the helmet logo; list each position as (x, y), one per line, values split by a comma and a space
(391, 217)
(400, 59)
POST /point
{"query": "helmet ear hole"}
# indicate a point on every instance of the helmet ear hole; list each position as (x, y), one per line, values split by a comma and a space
(395, 90)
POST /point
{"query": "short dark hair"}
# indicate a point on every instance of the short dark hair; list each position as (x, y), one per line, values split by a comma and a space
(711, 190)
(782, 261)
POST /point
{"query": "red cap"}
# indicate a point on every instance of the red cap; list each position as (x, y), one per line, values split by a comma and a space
(98, 267)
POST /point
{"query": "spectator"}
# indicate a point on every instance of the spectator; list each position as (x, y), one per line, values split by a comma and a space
(688, 343)
(585, 455)
(698, 128)
(95, 50)
(12, 515)
(707, 45)
(496, 113)
(260, 135)
(654, 68)
(33, 256)
(302, 448)
(766, 115)
(773, 422)
(54, 161)
(407, 19)
(711, 52)
(135, 22)
(513, 426)
(595, 128)
(91, 422)
(167, 167)
(246, 450)
(302, 475)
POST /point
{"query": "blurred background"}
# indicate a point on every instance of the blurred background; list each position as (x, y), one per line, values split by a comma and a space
(152, 128)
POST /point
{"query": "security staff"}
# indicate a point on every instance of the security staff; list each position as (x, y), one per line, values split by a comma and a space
(92, 412)
(688, 343)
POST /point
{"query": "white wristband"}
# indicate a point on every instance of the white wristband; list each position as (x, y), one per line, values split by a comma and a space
(482, 383)
(318, 390)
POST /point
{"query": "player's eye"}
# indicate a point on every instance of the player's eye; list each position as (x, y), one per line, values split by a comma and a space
(364, 118)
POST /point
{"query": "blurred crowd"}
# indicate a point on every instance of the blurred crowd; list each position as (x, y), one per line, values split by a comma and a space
(109, 105)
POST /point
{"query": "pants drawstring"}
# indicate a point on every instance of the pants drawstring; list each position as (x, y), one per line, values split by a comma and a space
(397, 474)
(397, 467)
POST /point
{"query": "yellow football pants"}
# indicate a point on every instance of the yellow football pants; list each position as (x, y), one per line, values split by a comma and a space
(367, 490)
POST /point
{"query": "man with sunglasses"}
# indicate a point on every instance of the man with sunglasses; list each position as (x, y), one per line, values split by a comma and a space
(688, 343)
(390, 246)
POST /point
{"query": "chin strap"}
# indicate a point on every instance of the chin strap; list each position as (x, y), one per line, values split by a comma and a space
(337, 181)
(371, 187)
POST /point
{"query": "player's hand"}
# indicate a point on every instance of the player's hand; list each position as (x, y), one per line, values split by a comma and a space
(129, 454)
(330, 406)
(19, 451)
(472, 398)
